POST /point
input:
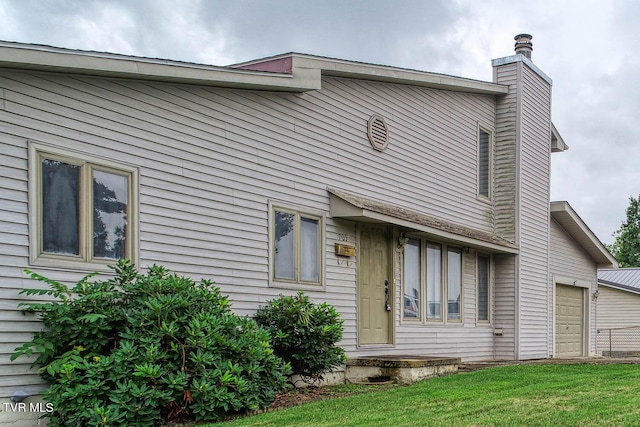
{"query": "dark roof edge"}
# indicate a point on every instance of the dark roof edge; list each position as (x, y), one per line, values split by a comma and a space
(618, 286)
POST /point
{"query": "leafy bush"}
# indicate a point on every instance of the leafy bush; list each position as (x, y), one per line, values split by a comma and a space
(303, 334)
(136, 349)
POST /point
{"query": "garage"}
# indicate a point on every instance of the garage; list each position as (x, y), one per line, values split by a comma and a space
(569, 321)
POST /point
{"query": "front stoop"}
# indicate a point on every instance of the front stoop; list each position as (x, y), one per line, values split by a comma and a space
(399, 369)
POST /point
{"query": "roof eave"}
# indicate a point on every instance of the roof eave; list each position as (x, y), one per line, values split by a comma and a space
(557, 143)
(382, 73)
(50, 59)
(564, 214)
(348, 206)
(305, 73)
(618, 286)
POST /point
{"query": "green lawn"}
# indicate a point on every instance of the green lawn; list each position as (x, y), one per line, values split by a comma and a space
(530, 395)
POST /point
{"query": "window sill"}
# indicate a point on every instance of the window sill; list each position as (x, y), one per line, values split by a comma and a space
(61, 263)
(484, 199)
(422, 324)
(297, 286)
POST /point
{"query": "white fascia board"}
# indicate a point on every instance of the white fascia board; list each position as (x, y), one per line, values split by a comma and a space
(557, 142)
(305, 76)
(383, 73)
(45, 58)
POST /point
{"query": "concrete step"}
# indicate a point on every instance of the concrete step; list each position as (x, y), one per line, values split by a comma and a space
(398, 369)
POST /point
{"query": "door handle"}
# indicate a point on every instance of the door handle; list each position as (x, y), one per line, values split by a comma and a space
(387, 305)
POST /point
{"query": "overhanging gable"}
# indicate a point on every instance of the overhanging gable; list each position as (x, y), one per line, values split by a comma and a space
(557, 143)
(357, 208)
(564, 214)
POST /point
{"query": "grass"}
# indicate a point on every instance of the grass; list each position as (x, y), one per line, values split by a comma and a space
(523, 395)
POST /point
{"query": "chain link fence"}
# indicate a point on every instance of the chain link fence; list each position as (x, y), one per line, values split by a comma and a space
(619, 342)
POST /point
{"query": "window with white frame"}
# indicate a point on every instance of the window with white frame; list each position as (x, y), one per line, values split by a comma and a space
(484, 267)
(484, 163)
(430, 279)
(296, 247)
(83, 209)
(412, 280)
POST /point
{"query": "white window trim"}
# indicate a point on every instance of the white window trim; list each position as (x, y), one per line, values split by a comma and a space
(298, 211)
(489, 291)
(482, 197)
(83, 262)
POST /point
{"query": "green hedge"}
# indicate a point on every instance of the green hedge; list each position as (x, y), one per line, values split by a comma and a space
(304, 334)
(140, 348)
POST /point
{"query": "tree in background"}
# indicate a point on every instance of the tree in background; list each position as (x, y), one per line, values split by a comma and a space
(626, 247)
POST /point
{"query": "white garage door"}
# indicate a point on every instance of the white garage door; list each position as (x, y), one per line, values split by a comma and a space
(569, 321)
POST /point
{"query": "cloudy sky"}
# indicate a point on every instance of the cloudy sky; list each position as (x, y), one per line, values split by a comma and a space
(588, 47)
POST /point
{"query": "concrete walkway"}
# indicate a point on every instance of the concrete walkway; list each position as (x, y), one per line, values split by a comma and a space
(596, 360)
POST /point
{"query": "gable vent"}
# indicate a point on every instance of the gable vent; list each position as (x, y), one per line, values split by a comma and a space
(378, 133)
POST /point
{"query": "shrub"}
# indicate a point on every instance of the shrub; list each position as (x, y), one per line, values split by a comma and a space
(135, 349)
(303, 334)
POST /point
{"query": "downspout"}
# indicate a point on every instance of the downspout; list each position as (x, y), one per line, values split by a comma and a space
(595, 319)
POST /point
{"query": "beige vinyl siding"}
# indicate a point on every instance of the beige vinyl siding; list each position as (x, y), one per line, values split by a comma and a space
(618, 309)
(505, 152)
(505, 200)
(535, 140)
(525, 116)
(504, 309)
(210, 160)
(567, 259)
(469, 340)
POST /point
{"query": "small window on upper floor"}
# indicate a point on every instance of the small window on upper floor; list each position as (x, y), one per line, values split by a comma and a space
(485, 149)
(82, 210)
(296, 247)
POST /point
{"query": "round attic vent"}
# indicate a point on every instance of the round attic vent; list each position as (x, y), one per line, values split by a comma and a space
(378, 133)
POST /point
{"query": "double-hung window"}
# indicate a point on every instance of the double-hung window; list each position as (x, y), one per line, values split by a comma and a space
(296, 247)
(82, 210)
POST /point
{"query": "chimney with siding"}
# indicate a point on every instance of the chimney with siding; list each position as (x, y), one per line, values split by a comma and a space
(523, 45)
(522, 153)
